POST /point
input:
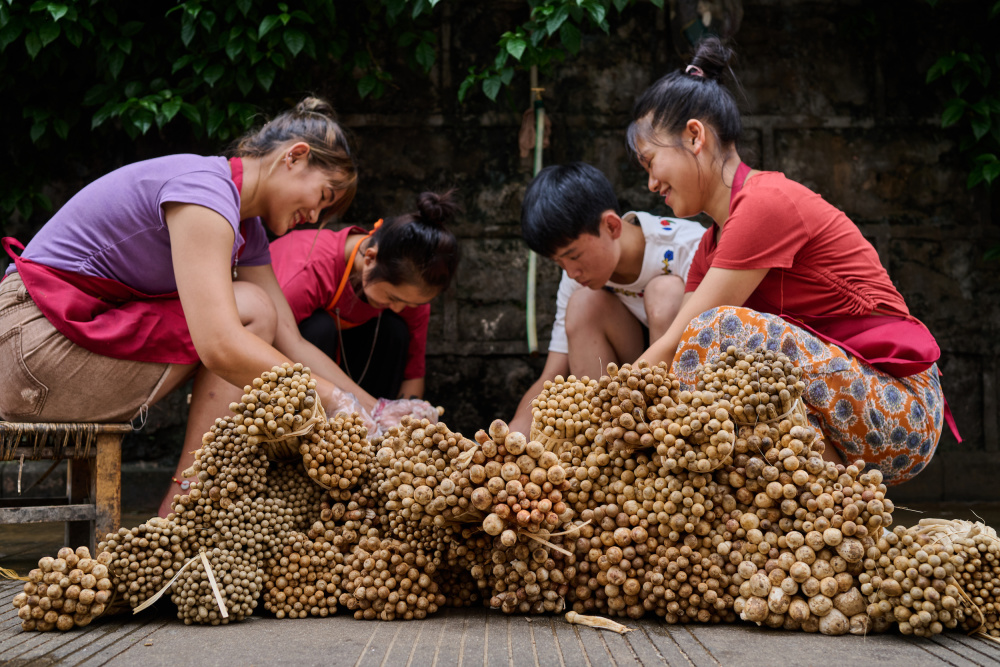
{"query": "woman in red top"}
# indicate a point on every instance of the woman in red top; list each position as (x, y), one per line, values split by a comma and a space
(785, 269)
(364, 297)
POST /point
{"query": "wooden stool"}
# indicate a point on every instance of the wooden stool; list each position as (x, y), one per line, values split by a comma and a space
(92, 507)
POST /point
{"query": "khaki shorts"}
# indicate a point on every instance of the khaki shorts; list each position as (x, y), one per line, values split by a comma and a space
(45, 377)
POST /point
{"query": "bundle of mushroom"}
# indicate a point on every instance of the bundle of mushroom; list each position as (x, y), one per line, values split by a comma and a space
(67, 591)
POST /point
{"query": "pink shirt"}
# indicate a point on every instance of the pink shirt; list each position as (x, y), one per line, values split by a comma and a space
(309, 264)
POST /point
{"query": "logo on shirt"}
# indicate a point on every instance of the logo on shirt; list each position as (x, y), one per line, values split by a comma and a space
(668, 256)
(666, 224)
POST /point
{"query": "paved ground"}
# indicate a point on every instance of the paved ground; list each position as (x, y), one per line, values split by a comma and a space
(454, 637)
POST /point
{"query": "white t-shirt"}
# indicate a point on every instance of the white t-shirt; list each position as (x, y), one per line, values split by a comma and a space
(670, 246)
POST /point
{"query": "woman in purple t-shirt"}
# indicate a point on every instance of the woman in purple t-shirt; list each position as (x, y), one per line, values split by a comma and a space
(162, 266)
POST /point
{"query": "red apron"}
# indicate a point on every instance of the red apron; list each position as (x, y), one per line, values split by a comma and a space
(898, 345)
(107, 317)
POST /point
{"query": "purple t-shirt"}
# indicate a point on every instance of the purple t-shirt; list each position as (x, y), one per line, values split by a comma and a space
(115, 228)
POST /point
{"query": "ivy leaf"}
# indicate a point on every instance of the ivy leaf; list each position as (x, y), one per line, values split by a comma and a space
(37, 130)
(394, 8)
(61, 127)
(491, 87)
(116, 60)
(516, 47)
(181, 62)
(133, 89)
(569, 35)
(213, 74)
(267, 25)
(187, 30)
(463, 89)
(32, 44)
(406, 39)
(294, 40)
(57, 11)
(657, 3)
(244, 6)
(207, 21)
(234, 48)
(74, 35)
(9, 33)
(980, 126)
(425, 55)
(991, 171)
(506, 75)
(367, 84)
(265, 75)
(418, 7)
(107, 111)
(216, 117)
(191, 112)
(95, 95)
(170, 108)
(620, 5)
(244, 83)
(597, 12)
(556, 20)
(953, 112)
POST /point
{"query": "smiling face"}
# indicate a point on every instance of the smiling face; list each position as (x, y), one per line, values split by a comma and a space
(674, 170)
(298, 192)
(382, 294)
(591, 260)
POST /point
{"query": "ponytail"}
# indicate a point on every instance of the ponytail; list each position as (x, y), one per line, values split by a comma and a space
(697, 92)
(417, 248)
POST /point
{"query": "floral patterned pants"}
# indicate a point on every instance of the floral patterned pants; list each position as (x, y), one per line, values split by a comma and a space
(889, 422)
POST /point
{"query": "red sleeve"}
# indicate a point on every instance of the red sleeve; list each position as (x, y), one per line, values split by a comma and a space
(765, 230)
(700, 262)
(416, 321)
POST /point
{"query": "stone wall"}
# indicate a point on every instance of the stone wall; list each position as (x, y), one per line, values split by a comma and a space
(835, 98)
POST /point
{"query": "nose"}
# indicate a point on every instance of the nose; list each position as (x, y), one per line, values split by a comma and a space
(653, 184)
(397, 307)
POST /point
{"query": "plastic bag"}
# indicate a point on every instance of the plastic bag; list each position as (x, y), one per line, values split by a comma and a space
(389, 413)
(346, 402)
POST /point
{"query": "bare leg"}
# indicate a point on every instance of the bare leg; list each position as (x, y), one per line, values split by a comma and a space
(600, 330)
(662, 296)
(212, 395)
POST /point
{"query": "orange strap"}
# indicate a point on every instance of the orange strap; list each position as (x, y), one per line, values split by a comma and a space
(347, 274)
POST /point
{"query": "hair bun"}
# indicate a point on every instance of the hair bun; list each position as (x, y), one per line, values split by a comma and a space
(436, 209)
(315, 105)
(713, 58)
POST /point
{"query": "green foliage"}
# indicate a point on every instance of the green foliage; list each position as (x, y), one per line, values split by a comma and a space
(553, 29)
(79, 71)
(975, 107)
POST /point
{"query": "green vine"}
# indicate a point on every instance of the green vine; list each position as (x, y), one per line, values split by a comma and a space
(975, 108)
(76, 75)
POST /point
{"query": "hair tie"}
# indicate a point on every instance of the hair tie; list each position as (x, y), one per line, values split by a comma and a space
(694, 70)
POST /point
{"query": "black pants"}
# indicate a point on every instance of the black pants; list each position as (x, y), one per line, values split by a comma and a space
(385, 356)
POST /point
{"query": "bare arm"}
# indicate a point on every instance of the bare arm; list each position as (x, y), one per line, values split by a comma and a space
(720, 287)
(556, 363)
(412, 388)
(288, 340)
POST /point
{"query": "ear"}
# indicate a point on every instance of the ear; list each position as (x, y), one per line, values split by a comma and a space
(297, 151)
(370, 256)
(612, 222)
(695, 135)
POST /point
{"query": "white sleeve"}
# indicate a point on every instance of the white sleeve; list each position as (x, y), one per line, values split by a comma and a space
(559, 341)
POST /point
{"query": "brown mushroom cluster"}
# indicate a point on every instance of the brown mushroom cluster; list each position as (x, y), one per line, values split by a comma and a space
(66, 592)
(631, 495)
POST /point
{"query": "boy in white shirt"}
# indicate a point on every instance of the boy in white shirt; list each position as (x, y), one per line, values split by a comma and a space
(635, 266)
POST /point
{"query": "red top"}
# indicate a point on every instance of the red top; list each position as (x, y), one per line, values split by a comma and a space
(824, 274)
(309, 265)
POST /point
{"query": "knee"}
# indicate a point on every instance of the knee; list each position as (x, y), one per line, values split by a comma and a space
(257, 311)
(587, 308)
(662, 299)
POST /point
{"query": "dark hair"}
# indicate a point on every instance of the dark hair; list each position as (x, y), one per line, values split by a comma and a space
(416, 247)
(696, 92)
(563, 202)
(314, 122)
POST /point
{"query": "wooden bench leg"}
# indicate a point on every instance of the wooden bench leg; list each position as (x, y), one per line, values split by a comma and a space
(109, 487)
(80, 490)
